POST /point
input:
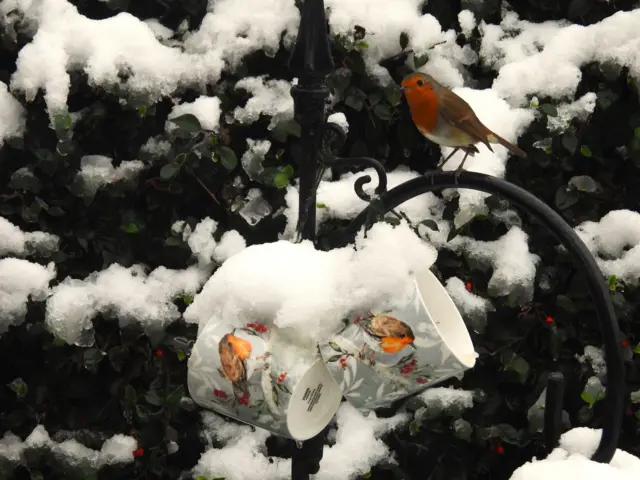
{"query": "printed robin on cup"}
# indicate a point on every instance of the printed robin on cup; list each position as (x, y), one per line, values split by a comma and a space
(234, 353)
(446, 119)
(384, 333)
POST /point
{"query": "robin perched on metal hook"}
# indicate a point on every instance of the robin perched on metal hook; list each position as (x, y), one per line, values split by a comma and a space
(446, 119)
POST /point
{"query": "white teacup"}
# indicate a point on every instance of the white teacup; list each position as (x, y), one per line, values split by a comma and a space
(379, 358)
(231, 370)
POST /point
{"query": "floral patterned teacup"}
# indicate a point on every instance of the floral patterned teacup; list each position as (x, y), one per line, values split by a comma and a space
(381, 357)
(233, 371)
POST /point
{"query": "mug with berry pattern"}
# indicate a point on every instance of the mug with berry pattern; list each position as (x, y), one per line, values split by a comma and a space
(382, 356)
(250, 374)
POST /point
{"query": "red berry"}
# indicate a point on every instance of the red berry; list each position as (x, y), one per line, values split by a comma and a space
(499, 449)
(138, 452)
(468, 286)
(549, 319)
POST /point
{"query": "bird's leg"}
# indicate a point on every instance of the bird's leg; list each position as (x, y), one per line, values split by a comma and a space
(372, 362)
(459, 169)
(441, 164)
(361, 353)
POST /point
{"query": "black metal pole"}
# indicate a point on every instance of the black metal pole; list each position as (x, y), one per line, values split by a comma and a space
(311, 61)
(615, 398)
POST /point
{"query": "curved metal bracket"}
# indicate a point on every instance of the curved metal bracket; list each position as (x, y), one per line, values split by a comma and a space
(535, 207)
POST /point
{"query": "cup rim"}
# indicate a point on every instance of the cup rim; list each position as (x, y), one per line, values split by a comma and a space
(463, 336)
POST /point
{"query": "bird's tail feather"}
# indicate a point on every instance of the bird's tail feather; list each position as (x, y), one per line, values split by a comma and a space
(495, 138)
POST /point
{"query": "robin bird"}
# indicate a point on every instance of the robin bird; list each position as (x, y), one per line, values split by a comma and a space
(234, 353)
(386, 334)
(446, 119)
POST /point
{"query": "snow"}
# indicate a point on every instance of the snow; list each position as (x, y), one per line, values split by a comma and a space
(308, 291)
(615, 242)
(205, 109)
(206, 249)
(243, 449)
(14, 241)
(254, 207)
(467, 21)
(98, 170)
(66, 40)
(268, 97)
(471, 306)
(595, 357)
(546, 58)
(129, 294)
(12, 115)
(444, 398)
(116, 450)
(253, 157)
(340, 119)
(571, 459)
(21, 280)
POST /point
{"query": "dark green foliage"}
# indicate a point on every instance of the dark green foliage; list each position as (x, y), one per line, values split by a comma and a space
(128, 383)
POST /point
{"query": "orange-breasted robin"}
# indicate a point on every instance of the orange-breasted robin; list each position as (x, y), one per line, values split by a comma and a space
(446, 119)
(386, 334)
(234, 352)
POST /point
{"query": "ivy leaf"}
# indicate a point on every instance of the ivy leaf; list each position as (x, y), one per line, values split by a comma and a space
(383, 111)
(281, 180)
(19, 387)
(584, 183)
(228, 158)
(585, 151)
(91, 358)
(404, 40)
(420, 60)
(579, 8)
(168, 171)
(354, 102)
(188, 123)
(570, 142)
(334, 358)
(565, 198)
(62, 122)
(549, 109)
(153, 398)
(430, 224)
(566, 304)
(453, 233)
(130, 228)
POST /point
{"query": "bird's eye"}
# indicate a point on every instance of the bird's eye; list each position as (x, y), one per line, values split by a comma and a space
(419, 82)
(402, 335)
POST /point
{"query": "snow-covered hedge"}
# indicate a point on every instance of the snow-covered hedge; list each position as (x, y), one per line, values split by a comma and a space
(143, 144)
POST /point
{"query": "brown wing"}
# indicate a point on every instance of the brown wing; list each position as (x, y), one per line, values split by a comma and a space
(459, 113)
(233, 367)
(386, 326)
